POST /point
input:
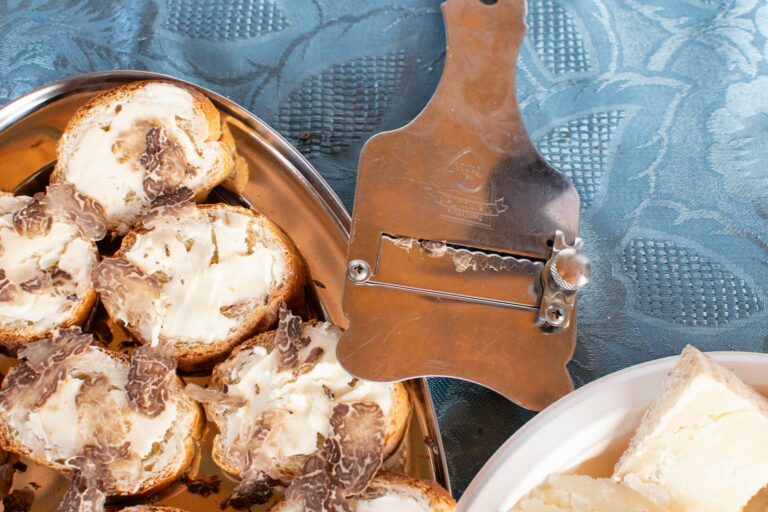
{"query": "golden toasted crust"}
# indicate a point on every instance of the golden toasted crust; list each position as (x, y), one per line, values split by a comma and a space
(399, 419)
(435, 496)
(11, 340)
(238, 180)
(233, 167)
(162, 480)
(396, 427)
(439, 499)
(291, 292)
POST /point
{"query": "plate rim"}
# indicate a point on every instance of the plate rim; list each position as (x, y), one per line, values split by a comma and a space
(489, 473)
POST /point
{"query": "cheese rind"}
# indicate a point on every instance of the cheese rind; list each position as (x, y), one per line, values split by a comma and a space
(703, 444)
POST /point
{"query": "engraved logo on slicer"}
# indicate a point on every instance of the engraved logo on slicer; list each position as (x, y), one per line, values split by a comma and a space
(467, 193)
(466, 171)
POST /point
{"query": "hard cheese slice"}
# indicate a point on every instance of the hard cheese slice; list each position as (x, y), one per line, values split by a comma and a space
(703, 444)
(575, 493)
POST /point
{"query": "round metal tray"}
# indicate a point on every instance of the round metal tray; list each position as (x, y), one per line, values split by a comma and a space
(282, 185)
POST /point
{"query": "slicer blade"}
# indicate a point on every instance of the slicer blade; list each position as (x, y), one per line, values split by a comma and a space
(460, 229)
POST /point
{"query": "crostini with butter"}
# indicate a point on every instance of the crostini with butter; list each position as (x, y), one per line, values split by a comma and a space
(201, 278)
(135, 143)
(119, 425)
(274, 400)
(47, 256)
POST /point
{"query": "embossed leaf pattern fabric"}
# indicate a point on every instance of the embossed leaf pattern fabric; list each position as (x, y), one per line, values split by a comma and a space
(656, 109)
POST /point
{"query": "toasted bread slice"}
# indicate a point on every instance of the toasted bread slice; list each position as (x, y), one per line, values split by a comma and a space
(47, 255)
(389, 492)
(203, 278)
(298, 398)
(142, 140)
(69, 402)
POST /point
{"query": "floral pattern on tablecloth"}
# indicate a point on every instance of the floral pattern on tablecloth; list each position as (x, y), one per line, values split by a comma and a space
(656, 109)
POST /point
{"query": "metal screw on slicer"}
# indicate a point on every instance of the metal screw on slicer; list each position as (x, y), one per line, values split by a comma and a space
(358, 271)
(567, 271)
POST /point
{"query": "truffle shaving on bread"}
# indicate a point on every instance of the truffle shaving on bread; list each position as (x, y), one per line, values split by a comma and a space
(47, 255)
(202, 278)
(387, 492)
(134, 143)
(83, 410)
(276, 399)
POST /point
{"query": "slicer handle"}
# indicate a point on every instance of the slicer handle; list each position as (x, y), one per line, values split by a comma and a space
(477, 93)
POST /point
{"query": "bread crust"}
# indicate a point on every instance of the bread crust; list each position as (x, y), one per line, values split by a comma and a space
(11, 340)
(397, 422)
(238, 180)
(9, 444)
(438, 498)
(291, 292)
(233, 166)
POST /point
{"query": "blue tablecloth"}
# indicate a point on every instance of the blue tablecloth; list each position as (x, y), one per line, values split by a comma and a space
(657, 109)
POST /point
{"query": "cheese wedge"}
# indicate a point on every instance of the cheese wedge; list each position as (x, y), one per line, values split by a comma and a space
(576, 493)
(703, 444)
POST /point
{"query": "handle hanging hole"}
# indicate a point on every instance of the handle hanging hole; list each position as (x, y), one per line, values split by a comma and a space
(490, 2)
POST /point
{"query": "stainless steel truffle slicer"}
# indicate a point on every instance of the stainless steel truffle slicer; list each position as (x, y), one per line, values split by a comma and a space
(465, 258)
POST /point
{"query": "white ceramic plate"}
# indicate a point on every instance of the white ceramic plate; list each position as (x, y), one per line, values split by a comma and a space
(587, 429)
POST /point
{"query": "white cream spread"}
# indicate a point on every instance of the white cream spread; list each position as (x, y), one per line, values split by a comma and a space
(303, 403)
(58, 430)
(214, 259)
(708, 452)
(22, 258)
(391, 503)
(115, 178)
